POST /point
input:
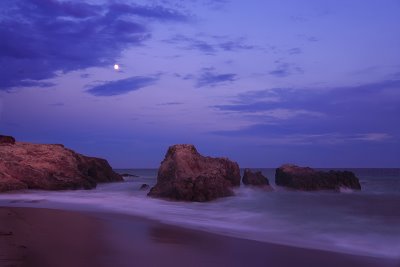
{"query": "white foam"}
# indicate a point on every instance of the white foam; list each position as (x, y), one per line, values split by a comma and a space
(251, 214)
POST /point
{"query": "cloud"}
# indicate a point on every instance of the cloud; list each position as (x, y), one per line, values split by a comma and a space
(120, 87)
(284, 69)
(170, 104)
(210, 45)
(185, 76)
(209, 78)
(159, 13)
(42, 38)
(305, 139)
(57, 104)
(295, 51)
(32, 83)
(308, 38)
(366, 112)
(375, 137)
(262, 109)
(235, 45)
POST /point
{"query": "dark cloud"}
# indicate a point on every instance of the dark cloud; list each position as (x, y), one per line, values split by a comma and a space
(159, 13)
(123, 86)
(362, 112)
(180, 4)
(209, 78)
(58, 9)
(40, 38)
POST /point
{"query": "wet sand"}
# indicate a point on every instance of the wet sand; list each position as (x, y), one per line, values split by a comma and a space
(45, 237)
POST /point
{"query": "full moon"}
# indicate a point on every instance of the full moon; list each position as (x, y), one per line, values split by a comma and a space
(116, 67)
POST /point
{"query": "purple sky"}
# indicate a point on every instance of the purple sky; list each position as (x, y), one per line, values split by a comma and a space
(313, 82)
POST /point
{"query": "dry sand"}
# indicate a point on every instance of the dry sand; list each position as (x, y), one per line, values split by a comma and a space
(52, 238)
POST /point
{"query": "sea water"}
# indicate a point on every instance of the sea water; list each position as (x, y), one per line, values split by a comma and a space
(365, 222)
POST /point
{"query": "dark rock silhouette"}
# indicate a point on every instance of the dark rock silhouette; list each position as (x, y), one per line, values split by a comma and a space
(184, 174)
(4, 139)
(255, 179)
(308, 179)
(50, 167)
(144, 187)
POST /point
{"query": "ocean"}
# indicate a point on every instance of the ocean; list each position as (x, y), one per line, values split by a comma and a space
(361, 223)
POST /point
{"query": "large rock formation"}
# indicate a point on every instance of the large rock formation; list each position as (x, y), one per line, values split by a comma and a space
(305, 178)
(255, 179)
(184, 174)
(50, 167)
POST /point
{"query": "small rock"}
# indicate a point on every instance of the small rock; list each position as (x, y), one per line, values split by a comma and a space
(255, 179)
(5, 139)
(6, 233)
(144, 187)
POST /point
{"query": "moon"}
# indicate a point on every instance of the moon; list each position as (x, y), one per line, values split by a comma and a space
(116, 67)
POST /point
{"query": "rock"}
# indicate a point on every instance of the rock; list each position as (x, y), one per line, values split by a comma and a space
(6, 233)
(144, 187)
(186, 175)
(50, 167)
(305, 178)
(255, 179)
(4, 139)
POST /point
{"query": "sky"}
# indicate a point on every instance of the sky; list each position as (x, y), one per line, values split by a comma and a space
(262, 82)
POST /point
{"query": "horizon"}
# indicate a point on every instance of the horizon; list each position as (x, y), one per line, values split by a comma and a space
(263, 83)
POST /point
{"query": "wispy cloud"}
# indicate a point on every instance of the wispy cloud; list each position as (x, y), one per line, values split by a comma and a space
(43, 38)
(270, 138)
(58, 104)
(284, 69)
(170, 104)
(160, 13)
(123, 86)
(209, 45)
(210, 78)
(308, 38)
(295, 51)
(367, 112)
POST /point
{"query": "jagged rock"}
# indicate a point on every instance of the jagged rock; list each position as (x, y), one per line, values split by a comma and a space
(255, 179)
(184, 174)
(144, 187)
(4, 139)
(305, 178)
(50, 167)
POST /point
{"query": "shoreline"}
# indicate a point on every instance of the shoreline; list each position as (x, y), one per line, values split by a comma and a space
(50, 237)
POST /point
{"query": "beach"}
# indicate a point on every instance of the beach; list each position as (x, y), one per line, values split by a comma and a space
(49, 237)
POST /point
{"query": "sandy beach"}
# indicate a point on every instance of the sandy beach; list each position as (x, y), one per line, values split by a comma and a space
(45, 237)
